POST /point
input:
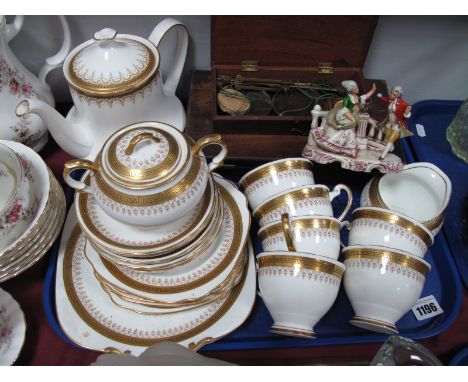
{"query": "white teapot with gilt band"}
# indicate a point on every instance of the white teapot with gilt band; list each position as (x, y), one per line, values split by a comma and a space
(115, 80)
(148, 173)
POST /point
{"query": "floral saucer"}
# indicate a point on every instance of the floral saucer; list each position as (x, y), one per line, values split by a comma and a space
(12, 329)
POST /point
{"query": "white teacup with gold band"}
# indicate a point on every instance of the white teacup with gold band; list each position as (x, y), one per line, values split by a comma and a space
(274, 177)
(17, 206)
(302, 201)
(382, 285)
(298, 289)
(421, 191)
(377, 226)
(316, 234)
(147, 174)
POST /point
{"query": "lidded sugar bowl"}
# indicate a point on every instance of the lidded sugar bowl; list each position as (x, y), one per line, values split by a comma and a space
(147, 173)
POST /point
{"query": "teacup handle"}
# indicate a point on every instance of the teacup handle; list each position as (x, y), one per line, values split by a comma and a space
(287, 232)
(77, 164)
(344, 224)
(336, 191)
(213, 139)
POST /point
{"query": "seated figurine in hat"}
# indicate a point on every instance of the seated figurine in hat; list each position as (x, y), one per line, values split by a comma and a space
(340, 134)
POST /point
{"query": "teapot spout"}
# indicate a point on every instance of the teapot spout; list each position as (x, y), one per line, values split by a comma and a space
(72, 140)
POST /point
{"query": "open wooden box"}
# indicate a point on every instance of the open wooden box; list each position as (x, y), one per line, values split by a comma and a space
(306, 48)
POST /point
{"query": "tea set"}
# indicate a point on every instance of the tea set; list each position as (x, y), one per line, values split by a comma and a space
(156, 245)
(383, 267)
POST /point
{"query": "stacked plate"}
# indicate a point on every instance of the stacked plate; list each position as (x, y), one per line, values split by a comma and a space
(33, 209)
(123, 287)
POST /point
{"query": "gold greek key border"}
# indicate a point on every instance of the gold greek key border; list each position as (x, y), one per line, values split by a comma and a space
(154, 199)
(393, 218)
(389, 256)
(103, 330)
(117, 89)
(301, 262)
(304, 193)
(131, 174)
(232, 252)
(300, 224)
(292, 164)
(83, 207)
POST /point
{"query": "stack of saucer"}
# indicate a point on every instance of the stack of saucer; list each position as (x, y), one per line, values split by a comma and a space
(389, 236)
(299, 275)
(156, 248)
(32, 208)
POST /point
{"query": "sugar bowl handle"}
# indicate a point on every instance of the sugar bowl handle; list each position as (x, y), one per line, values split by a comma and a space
(137, 139)
(213, 139)
(336, 191)
(77, 164)
(285, 223)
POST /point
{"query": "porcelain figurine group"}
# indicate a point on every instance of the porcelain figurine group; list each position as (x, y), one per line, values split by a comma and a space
(348, 134)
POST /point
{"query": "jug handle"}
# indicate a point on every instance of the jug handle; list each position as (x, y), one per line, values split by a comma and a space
(57, 59)
(12, 29)
(156, 36)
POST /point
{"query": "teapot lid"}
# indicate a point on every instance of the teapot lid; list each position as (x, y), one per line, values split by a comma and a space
(111, 65)
(145, 155)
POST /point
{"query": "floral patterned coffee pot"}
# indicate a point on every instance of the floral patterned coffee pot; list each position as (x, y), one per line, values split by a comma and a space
(115, 81)
(17, 83)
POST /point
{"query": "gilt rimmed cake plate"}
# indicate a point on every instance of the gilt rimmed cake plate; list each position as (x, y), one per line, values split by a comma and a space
(12, 329)
(92, 321)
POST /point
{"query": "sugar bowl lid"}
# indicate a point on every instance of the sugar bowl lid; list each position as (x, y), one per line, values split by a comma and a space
(111, 64)
(145, 155)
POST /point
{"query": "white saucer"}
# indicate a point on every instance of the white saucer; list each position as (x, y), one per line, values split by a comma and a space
(12, 329)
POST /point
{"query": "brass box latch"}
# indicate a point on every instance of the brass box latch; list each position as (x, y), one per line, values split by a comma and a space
(249, 66)
(325, 68)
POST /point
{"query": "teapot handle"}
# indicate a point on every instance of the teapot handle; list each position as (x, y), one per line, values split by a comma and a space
(12, 29)
(156, 36)
(57, 59)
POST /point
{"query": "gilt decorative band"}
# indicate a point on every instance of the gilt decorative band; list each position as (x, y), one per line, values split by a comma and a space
(394, 219)
(302, 263)
(154, 199)
(304, 193)
(293, 164)
(386, 257)
(299, 224)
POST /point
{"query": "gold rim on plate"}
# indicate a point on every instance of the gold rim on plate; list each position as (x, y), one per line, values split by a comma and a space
(128, 339)
(231, 253)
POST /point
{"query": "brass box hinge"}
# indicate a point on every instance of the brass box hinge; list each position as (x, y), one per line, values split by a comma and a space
(325, 68)
(249, 66)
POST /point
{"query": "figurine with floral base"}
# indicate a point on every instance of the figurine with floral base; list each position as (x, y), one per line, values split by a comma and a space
(341, 135)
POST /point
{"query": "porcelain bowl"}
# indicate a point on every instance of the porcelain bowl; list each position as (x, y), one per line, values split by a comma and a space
(315, 234)
(274, 177)
(381, 227)
(382, 285)
(298, 289)
(17, 206)
(421, 190)
(301, 201)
